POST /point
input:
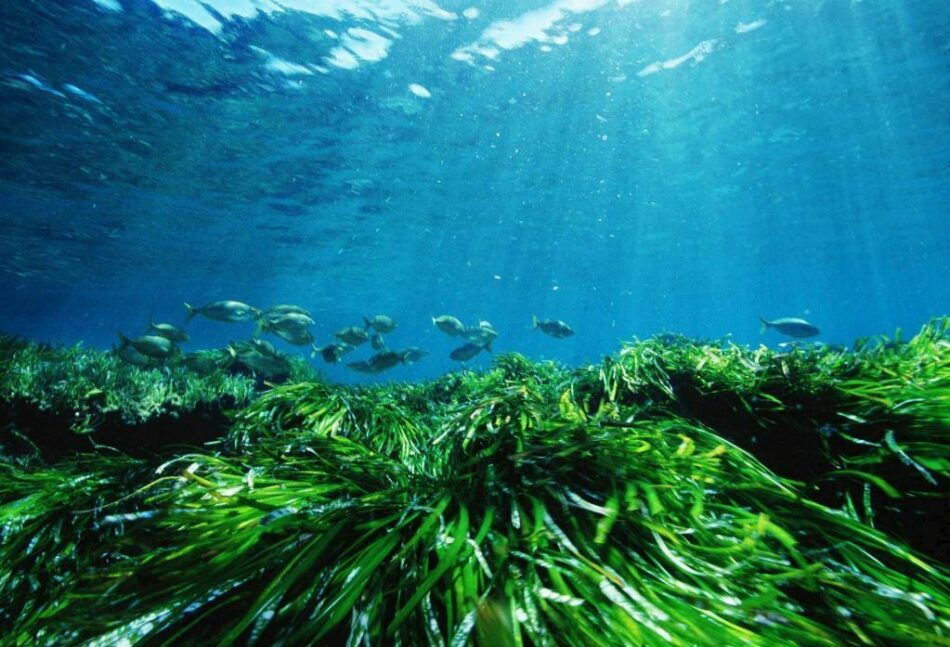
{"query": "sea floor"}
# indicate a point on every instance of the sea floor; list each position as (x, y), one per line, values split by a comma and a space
(680, 492)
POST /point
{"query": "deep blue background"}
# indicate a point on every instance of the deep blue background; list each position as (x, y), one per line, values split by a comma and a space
(796, 169)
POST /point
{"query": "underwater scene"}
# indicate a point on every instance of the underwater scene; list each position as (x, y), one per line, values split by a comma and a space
(490, 323)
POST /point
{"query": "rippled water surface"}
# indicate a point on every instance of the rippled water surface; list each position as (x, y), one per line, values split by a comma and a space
(628, 167)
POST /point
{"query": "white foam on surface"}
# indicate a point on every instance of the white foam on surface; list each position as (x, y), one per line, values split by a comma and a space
(393, 11)
(193, 11)
(537, 26)
(343, 59)
(282, 66)
(697, 54)
(420, 91)
(109, 5)
(357, 46)
(746, 27)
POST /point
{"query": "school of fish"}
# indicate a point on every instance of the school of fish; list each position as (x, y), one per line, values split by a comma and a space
(159, 343)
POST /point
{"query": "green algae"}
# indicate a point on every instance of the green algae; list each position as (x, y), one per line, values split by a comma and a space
(656, 498)
(58, 400)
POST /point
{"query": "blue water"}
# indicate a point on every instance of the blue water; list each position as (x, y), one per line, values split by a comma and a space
(628, 167)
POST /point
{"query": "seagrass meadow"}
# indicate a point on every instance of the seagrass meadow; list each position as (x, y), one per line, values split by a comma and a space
(678, 493)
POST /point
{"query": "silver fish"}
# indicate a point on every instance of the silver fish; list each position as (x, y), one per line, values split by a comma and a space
(790, 326)
(207, 361)
(466, 352)
(261, 357)
(331, 353)
(269, 366)
(295, 337)
(286, 320)
(557, 329)
(150, 345)
(449, 325)
(481, 336)
(286, 309)
(413, 354)
(362, 367)
(130, 355)
(259, 345)
(168, 331)
(352, 335)
(384, 360)
(380, 323)
(224, 311)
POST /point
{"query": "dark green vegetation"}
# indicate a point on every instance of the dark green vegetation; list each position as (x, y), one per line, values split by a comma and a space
(679, 493)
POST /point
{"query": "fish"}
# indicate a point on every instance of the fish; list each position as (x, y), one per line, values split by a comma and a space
(130, 355)
(352, 335)
(270, 366)
(286, 309)
(413, 354)
(482, 336)
(207, 361)
(292, 327)
(384, 360)
(331, 353)
(362, 367)
(168, 331)
(449, 325)
(150, 345)
(224, 311)
(286, 320)
(295, 337)
(790, 326)
(556, 329)
(466, 352)
(260, 345)
(261, 357)
(380, 323)
(377, 341)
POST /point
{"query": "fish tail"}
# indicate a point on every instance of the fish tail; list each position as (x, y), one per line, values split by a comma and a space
(315, 350)
(534, 322)
(369, 324)
(123, 341)
(192, 311)
(765, 325)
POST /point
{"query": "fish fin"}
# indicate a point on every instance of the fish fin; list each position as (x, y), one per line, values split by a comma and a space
(192, 311)
(765, 325)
